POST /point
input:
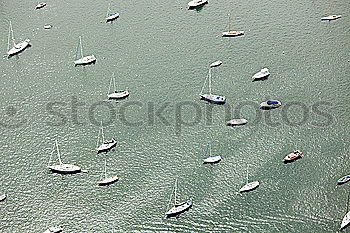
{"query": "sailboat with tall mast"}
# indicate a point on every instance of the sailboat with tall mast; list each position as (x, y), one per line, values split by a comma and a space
(177, 208)
(116, 94)
(229, 32)
(84, 60)
(107, 180)
(16, 48)
(213, 158)
(249, 186)
(111, 16)
(106, 145)
(211, 98)
(62, 167)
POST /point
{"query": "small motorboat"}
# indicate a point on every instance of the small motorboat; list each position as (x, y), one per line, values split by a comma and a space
(344, 179)
(118, 95)
(112, 16)
(292, 156)
(2, 196)
(40, 5)
(212, 159)
(179, 208)
(215, 64)
(249, 187)
(270, 104)
(214, 99)
(263, 73)
(48, 26)
(235, 122)
(196, 3)
(346, 221)
(54, 230)
(331, 17)
(106, 146)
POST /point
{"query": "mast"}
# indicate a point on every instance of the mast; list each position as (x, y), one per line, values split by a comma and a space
(229, 23)
(105, 168)
(108, 9)
(247, 175)
(209, 149)
(58, 153)
(114, 82)
(9, 38)
(209, 81)
(110, 84)
(103, 136)
(81, 47)
(175, 192)
(12, 35)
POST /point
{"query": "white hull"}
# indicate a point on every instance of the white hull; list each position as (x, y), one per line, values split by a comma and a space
(196, 3)
(346, 220)
(118, 95)
(266, 105)
(331, 17)
(107, 146)
(107, 181)
(85, 60)
(250, 186)
(178, 209)
(232, 33)
(264, 73)
(40, 5)
(54, 230)
(64, 168)
(234, 122)
(112, 17)
(215, 99)
(18, 47)
(2, 197)
(215, 64)
(213, 159)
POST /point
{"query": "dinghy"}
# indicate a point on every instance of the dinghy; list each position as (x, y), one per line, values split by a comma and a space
(196, 3)
(344, 179)
(84, 60)
(111, 16)
(61, 167)
(2, 196)
(17, 48)
(48, 26)
(178, 208)
(270, 104)
(213, 158)
(331, 17)
(262, 74)
(292, 156)
(235, 122)
(249, 186)
(215, 99)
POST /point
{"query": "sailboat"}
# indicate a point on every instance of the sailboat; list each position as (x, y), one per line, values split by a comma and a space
(54, 230)
(116, 94)
(84, 60)
(17, 48)
(196, 3)
(178, 208)
(229, 32)
(107, 180)
(213, 158)
(249, 186)
(215, 99)
(111, 16)
(62, 168)
(106, 145)
(346, 219)
(2, 196)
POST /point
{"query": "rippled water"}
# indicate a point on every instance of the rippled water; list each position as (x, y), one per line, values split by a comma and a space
(161, 52)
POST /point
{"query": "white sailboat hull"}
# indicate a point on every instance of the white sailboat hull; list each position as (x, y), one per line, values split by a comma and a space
(232, 33)
(346, 220)
(249, 187)
(112, 17)
(264, 73)
(107, 181)
(106, 146)
(267, 105)
(331, 17)
(215, 64)
(18, 47)
(85, 60)
(54, 230)
(215, 99)
(234, 122)
(2, 197)
(196, 3)
(118, 95)
(179, 208)
(212, 159)
(65, 168)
